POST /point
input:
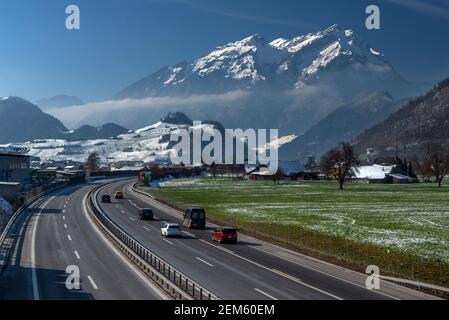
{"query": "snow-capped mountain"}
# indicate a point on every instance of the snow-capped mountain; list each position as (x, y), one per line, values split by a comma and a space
(328, 56)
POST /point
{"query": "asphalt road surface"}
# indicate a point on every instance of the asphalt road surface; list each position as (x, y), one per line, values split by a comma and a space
(55, 233)
(242, 271)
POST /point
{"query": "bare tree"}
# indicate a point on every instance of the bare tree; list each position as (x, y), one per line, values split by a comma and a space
(93, 161)
(339, 163)
(435, 162)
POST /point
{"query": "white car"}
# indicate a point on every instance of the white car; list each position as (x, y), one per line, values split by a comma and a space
(171, 230)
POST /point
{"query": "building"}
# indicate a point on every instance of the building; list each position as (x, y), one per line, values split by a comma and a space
(15, 168)
(287, 170)
(381, 174)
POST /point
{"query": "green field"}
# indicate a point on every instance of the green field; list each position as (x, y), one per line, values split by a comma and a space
(402, 228)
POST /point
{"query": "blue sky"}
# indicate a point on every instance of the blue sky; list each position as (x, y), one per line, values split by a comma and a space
(121, 41)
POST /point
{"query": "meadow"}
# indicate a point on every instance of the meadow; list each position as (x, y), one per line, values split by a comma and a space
(402, 228)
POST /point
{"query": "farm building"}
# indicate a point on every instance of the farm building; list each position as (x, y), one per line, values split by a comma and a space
(381, 174)
(287, 170)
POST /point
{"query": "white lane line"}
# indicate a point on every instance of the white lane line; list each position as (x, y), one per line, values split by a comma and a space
(116, 206)
(63, 211)
(189, 234)
(266, 294)
(65, 226)
(122, 212)
(220, 248)
(69, 237)
(205, 262)
(132, 218)
(120, 256)
(169, 242)
(322, 272)
(271, 270)
(77, 255)
(92, 282)
(63, 217)
(33, 251)
(146, 228)
(134, 204)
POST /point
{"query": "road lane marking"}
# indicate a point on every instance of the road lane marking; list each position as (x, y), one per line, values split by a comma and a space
(205, 262)
(266, 294)
(135, 205)
(69, 237)
(146, 228)
(132, 218)
(319, 271)
(189, 234)
(168, 241)
(220, 248)
(63, 211)
(122, 212)
(282, 275)
(116, 206)
(120, 256)
(63, 217)
(65, 226)
(92, 282)
(77, 255)
(33, 251)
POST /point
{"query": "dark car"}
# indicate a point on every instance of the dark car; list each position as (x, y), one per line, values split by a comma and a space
(106, 198)
(225, 235)
(195, 218)
(146, 214)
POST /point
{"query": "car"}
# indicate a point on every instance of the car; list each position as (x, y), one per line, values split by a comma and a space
(225, 235)
(146, 214)
(106, 198)
(119, 195)
(171, 230)
(195, 218)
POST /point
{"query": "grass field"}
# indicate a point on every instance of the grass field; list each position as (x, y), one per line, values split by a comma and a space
(402, 228)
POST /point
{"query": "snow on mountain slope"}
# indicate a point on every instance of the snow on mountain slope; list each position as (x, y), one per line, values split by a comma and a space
(148, 144)
(252, 62)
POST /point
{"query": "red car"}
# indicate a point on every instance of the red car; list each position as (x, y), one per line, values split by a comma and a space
(225, 235)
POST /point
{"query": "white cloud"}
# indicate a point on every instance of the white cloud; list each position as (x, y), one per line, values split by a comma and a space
(134, 113)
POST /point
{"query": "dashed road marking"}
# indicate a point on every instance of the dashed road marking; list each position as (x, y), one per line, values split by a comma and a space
(77, 255)
(266, 294)
(205, 262)
(69, 237)
(169, 242)
(92, 282)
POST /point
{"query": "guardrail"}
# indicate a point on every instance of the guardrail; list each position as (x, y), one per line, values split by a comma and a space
(173, 281)
(428, 288)
(17, 213)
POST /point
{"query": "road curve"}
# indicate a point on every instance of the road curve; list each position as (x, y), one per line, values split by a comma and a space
(244, 271)
(55, 232)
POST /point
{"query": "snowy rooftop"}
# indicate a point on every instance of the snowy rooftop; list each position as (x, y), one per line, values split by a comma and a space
(372, 172)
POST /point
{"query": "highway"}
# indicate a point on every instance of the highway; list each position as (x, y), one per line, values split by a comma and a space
(243, 271)
(56, 231)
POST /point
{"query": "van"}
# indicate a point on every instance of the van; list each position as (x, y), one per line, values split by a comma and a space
(194, 218)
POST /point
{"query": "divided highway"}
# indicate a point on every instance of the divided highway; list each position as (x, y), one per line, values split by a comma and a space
(243, 271)
(56, 231)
